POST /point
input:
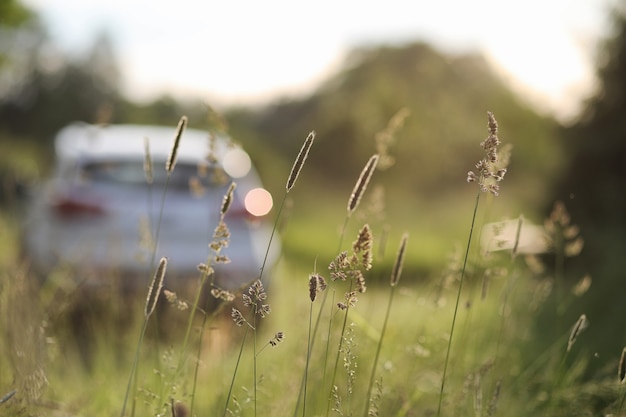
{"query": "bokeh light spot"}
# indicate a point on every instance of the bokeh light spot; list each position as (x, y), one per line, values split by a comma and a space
(258, 202)
(237, 163)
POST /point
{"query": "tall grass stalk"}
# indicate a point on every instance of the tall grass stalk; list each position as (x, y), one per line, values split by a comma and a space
(232, 380)
(338, 356)
(291, 182)
(219, 236)
(456, 306)
(153, 295)
(317, 284)
(197, 367)
(488, 177)
(149, 176)
(148, 170)
(169, 168)
(350, 267)
(559, 376)
(253, 298)
(357, 193)
(306, 366)
(353, 203)
(395, 278)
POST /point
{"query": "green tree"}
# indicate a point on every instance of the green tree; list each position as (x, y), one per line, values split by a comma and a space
(593, 188)
(53, 90)
(13, 14)
(447, 97)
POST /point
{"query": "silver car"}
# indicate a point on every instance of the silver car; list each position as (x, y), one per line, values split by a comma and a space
(99, 217)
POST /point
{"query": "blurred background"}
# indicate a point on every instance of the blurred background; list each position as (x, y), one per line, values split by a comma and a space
(552, 72)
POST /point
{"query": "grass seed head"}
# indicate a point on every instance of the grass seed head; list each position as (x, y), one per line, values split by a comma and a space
(359, 280)
(222, 294)
(205, 269)
(299, 162)
(361, 184)
(491, 169)
(263, 310)
(228, 199)
(278, 337)
(397, 266)
(257, 291)
(173, 299)
(147, 162)
(171, 161)
(155, 288)
(580, 325)
(238, 318)
(317, 283)
(363, 246)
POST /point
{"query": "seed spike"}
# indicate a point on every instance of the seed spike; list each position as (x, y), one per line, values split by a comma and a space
(228, 199)
(155, 288)
(580, 325)
(147, 163)
(171, 161)
(362, 182)
(299, 162)
(397, 266)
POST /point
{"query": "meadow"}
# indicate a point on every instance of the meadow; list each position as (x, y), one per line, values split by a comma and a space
(355, 329)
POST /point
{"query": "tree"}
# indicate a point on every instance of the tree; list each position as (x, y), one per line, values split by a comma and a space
(448, 97)
(13, 14)
(20, 35)
(593, 188)
(47, 97)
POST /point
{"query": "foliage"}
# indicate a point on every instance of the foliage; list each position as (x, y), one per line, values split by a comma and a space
(13, 13)
(593, 185)
(442, 95)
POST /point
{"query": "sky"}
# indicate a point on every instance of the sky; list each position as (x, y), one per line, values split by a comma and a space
(250, 52)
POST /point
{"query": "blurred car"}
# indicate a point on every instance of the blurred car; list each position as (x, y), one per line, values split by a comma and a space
(97, 214)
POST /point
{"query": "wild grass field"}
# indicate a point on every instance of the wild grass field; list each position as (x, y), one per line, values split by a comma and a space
(350, 331)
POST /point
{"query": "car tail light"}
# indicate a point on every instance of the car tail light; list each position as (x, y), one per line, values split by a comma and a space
(73, 207)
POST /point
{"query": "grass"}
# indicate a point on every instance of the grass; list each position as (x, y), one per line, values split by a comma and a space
(462, 343)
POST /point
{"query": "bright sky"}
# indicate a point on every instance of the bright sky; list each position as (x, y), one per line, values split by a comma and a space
(239, 51)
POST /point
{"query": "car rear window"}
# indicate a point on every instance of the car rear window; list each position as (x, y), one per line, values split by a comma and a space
(131, 173)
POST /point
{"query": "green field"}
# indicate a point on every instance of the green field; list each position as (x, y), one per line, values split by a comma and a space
(465, 332)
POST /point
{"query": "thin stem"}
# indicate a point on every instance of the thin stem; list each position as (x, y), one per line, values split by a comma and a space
(192, 314)
(378, 349)
(232, 381)
(195, 375)
(343, 331)
(308, 357)
(132, 381)
(269, 244)
(311, 343)
(133, 370)
(456, 307)
(254, 358)
(328, 339)
(343, 232)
